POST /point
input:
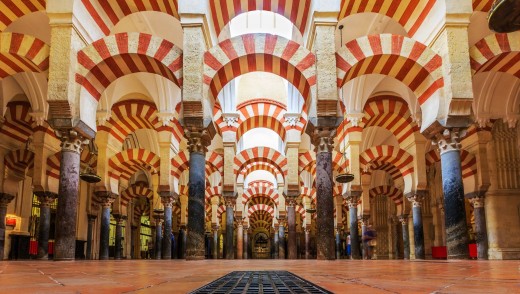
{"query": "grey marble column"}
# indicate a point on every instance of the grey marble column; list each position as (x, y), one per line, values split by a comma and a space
(453, 188)
(291, 226)
(406, 236)
(246, 242)
(276, 241)
(105, 199)
(353, 200)
(90, 229)
(480, 224)
(281, 238)
(364, 223)
(68, 191)
(416, 199)
(230, 203)
(182, 242)
(322, 139)
(158, 237)
(46, 199)
(4, 201)
(307, 243)
(215, 241)
(118, 246)
(168, 199)
(338, 243)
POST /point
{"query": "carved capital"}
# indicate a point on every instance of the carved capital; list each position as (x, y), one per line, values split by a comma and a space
(71, 140)
(5, 199)
(168, 199)
(119, 218)
(352, 198)
(105, 198)
(291, 119)
(230, 118)
(230, 201)
(323, 139)
(403, 218)
(477, 202)
(291, 201)
(364, 219)
(91, 217)
(449, 139)
(46, 198)
(198, 139)
(416, 197)
(214, 228)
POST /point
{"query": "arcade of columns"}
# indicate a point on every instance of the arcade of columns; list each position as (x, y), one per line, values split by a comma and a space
(419, 103)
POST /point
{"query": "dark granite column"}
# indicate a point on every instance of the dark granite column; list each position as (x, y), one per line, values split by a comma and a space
(118, 246)
(215, 241)
(4, 201)
(281, 238)
(406, 236)
(90, 229)
(168, 199)
(393, 222)
(230, 203)
(275, 242)
(338, 243)
(67, 211)
(46, 199)
(418, 232)
(133, 240)
(353, 200)
(478, 203)
(453, 188)
(364, 223)
(307, 243)
(322, 139)
(198, 140)
(292, 252)
(182, 242)
(246, 243)
(105, 200)
(158, 236)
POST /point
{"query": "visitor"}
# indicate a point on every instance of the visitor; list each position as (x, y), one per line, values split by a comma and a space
(369, 240)
(348, 245)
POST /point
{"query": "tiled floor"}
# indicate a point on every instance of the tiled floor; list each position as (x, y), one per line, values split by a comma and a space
(343, 276)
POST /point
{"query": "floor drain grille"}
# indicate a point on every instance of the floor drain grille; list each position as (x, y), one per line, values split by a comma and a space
(260, 282)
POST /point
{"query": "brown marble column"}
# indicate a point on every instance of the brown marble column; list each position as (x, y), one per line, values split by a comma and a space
(291, 226)
(478, 203)
(406, 236)
(307, 243)
(246, 242)
(5, 199)
(66, 214)
(105, 199)
(281, 236)
(46, 199)
(90, 228)
(240, 238)
(215, 241)
(230, 203)
(276, 241)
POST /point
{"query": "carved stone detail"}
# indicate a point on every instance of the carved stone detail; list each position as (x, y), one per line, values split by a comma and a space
(403, 218)
(291, 201)
(71, 140)
(364, 219)
(230, 118)
(449, 139)
(168, 199)
(46, 198)
(198, 139)
(416, 198)
(105, 198)
(291, 119)
(352, 199)
(230, 201)
(477, 202)
(323, 139)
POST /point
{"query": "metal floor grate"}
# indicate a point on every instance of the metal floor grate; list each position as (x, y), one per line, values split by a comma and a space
(260, 282)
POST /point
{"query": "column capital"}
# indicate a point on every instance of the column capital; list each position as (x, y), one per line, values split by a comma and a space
(291, 201)
(168, 198)
(416, 197)
(230, 201)
(5, 199)
(199, 139)
(91, 217)
(105, 198)
(477, 202)
(307, 230)
(71, 140)
(323, 138)
(119, 217)
(239, 221)
(365, 218)
(449, 139)
(45, 198)
(403, 218)
(352, 198)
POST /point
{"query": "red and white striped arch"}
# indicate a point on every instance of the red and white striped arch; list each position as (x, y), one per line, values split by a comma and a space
(141, 209)
(301, 211)
(214, 163)
(106, 14)
(345, 127)
(18, 124)
(468, 161)
(19, 160)
(22, 53)
(261, 199)
(126, 163)
(115, 56)
(261, 114)
(497, 53)
(391, 113)
(309, 192)
(261, 218)
(306, 161)
(260, 154)
(264, 190)
(414, 64)
(409, 14)
(220, 210)
(255, 166)
(180, 163)
(260, 207)
(12, 10)
(131, 115)
(482, 5)
(135, 191)
(385, 157)
(391, 192)
(212, 192)
(259, 52)
(223, 11)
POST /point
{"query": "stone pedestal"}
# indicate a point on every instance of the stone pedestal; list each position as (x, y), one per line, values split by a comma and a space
(168, 199)
(281, 239)
(453, 188)
(105, 199)
(353, 200)
(5, 199)
(416, 199)
(230, 203)
(480, 226)
(46, 199)
(90, 228)
(406, 237)
(118, 250)
(67, 210)
(292, 250)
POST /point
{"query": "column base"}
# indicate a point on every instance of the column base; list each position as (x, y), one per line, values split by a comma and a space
(503, 253)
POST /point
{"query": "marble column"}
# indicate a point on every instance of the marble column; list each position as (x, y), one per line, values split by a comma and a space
(182, 242)
(364, 223)
(281, 238)
(46, 199)
(322, 139)
(230, 203)
(453, 188)
(105, 199)
(198, 140)
(352, 201)
(478, 203)
(307, 243)
(67, 211)
(214, 252)
(90, 229)
(240, 238)
(246, 243)
(416, 199)
(4, 201)
(406, 236)
(338, 243)
(118, 250)
(167, 199)
(275, 242)
(158, 237)
(292, 252)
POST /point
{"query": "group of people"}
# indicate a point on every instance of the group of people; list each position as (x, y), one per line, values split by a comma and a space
(368, 242)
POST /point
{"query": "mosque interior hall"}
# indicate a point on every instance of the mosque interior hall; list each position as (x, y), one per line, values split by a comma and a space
(348, 137)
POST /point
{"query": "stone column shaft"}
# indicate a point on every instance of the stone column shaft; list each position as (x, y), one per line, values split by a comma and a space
(246, 243)
(229, 229)
(158, 239)
(90, 228)
(4, 201)
(119, 236)
(215, 243)
(418, 231)
(338, 244)
(276, 241)
(46, 199)
(353, 200)
(406, 236)
(307, 243)
(480, 224)
(240, 240)
(281, 240)
(291, 225)
(167, 199)
(106, 199)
